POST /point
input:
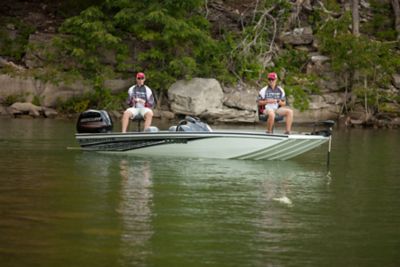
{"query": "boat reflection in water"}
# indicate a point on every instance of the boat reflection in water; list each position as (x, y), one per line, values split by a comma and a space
(164, 204)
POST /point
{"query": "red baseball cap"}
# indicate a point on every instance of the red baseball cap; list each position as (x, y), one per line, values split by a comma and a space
(140, 75)
(272, 76)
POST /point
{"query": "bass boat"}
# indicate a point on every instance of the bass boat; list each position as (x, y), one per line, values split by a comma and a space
(194, 138)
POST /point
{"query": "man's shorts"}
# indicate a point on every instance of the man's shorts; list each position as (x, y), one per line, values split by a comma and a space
(267, 109)
(277, 111)
(135, 111)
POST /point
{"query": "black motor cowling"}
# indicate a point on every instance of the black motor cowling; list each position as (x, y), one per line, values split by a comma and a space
(94, 121)
(327, 127)
(190, 124)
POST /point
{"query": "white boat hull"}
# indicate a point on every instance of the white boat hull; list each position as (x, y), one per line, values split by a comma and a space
(221, 145)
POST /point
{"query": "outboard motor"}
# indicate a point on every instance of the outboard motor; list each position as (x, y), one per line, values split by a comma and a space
(94, 121)
(190, 124)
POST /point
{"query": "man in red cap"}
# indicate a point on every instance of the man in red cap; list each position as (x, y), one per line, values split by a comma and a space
(272, 97)
(141, 100)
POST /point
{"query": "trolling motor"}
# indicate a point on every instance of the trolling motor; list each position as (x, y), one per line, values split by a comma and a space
(327, 132)
(94, 121)
(190, 124)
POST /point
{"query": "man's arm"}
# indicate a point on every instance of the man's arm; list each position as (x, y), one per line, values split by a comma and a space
(150, 98)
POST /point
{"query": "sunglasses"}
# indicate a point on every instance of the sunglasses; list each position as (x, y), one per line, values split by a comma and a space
(140, 78)
(271, 79)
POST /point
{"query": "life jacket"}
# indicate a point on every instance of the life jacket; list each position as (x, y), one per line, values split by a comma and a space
(147, 95)
(261, 108)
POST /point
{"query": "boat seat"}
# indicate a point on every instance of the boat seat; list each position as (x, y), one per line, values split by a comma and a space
(138, 118)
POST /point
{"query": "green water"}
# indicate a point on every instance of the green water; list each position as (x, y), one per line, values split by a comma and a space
(62, 207)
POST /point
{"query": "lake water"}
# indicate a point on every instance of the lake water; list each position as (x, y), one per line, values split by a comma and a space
(62, 207)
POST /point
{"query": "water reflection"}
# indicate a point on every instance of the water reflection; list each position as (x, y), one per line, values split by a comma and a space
(135, 209)
(126, 184)
(230, 207)
(67, 208)
(233, 209)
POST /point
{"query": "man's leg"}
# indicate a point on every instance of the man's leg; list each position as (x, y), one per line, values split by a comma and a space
(271, 120)
(125, 120)
(148, 116)
(288, 114)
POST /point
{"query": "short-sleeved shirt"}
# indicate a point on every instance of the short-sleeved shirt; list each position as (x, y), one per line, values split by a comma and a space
(268, 92)
(143, 92)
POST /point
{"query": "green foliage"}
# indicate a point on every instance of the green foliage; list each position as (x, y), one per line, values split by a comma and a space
(37, 100)
(14, 46)
(300, 97)
(248, 48)
(300, 86)
(293, 62)
(178, 39)
(366, 63)
(100, 98)
(381, 24)
(13, 98)
(171, 37)
(172, 40)
(89, 37)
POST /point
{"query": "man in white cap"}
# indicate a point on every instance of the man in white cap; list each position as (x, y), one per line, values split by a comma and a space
(141, 101)
(272, 100)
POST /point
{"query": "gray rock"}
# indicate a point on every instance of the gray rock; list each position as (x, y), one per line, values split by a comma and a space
(167, 115)
(299, 36)
(195, 96)
(242, 99)
(49, 112)
(396, 81)
(228, 115)
(20, 108)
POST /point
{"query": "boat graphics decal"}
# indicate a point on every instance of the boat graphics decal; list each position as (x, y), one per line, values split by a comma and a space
(116, 144)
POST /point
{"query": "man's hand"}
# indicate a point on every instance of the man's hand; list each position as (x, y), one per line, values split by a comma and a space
(139, 100)
(281, 102)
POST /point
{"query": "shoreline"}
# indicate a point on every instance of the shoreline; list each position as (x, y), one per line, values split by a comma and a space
(339, 124)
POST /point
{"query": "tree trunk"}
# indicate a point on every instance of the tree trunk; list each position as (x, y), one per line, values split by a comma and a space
(356, 18)
(396, 9)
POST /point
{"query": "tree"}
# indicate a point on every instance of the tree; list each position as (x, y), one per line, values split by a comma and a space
(396, 10)
(356, 18)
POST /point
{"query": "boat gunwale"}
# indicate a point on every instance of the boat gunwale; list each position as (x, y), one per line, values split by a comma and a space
(169, 134)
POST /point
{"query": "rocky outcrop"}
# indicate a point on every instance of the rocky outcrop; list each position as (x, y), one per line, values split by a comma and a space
(19, 108)
(49, 93)
(204, 98)
(29, 88)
